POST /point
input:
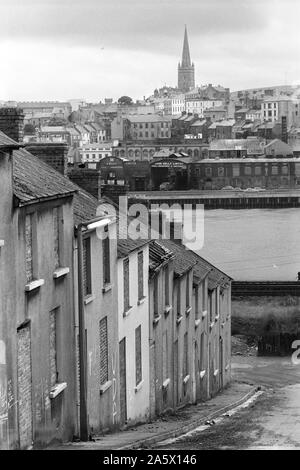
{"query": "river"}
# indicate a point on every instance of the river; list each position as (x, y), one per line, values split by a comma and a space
(253, 244)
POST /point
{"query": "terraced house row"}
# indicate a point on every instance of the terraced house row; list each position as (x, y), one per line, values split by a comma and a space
(97, 331)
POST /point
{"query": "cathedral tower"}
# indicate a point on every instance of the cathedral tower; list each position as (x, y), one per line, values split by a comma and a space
(186, 70)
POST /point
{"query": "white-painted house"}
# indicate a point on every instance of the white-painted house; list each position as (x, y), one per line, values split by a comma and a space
(133, 324)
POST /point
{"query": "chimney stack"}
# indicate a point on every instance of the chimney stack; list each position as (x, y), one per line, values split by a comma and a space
(52, 153)
(12, 123)
(87, 178)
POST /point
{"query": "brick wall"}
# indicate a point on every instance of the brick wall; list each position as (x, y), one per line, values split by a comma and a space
(28, 245)
(24, 387)
(52, 351)
(52, 153)
(12, 123)
(114, 191)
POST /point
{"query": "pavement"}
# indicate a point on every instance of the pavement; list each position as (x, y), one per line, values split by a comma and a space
(171, 426)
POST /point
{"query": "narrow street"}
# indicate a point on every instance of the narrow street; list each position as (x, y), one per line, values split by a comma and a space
(272, 421)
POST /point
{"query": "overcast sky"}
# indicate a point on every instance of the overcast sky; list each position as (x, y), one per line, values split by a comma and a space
(62, 49)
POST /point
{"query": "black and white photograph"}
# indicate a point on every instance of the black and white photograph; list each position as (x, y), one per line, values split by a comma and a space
(149, 228)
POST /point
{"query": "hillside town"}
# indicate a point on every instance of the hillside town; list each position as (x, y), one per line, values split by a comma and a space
(101, 332)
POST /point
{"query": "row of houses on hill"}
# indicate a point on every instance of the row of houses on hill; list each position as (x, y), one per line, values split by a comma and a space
(97, 331)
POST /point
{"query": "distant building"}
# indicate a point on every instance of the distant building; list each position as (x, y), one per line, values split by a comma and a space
(215, 113)
(273, 109)
(149, 127)
(95, 152)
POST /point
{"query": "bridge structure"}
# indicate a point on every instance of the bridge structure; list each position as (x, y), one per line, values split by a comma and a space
(221, 199)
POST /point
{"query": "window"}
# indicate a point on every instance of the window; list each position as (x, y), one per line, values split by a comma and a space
(236, 170)
(208, 171)
(56, 229)
(165, 356)
(178, 300)
(257, 170)
(203, 296)
(285, 169)
(86, 266)
(196, 293)
(210, 303)
(155, 297)
(202, 349)
(103, 351)
(185, 355)
(220, 171)
(167, 286)
(217, 300)
(140, 275)
(138, 355)
(274, 169)
(187, 290)
(247, 170)
(126, 284)
(28, 247)
(106, 257)
(53, 347)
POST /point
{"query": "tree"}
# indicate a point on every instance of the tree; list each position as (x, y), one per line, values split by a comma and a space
(125, 100)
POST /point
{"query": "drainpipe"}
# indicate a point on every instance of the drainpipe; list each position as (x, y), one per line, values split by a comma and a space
(84, 434)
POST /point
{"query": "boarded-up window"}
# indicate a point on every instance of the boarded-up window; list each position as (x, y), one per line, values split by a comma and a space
(126, 284)
(187, 290)
(202, 352)
(138, 355)
(106, 258)
(217, 302)
(56, 246)
(53, 348)
(196, 292)
(28, 248)
(167, 286)
(24, 389)
(165, 356)
(103, 351)
(155, 297)
(210, 305)
(140, 275)
(86, 266)
(185, 355)
(203, 296)
(178, 299)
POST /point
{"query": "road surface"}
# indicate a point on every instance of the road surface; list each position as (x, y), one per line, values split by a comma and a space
(272, 421)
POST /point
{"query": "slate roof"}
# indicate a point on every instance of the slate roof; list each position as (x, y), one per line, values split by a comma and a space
(6, 142)
(184, 259)
(158, 255)
(85, 206)
(34, 180)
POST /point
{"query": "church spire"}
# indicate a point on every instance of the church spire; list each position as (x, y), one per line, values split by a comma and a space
(186, 58)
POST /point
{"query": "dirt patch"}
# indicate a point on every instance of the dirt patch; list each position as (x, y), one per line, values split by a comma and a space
(242, 345)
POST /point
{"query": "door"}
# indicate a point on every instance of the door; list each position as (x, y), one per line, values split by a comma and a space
(24, 386)
(176, 373)
(221, 362)
(122, 367)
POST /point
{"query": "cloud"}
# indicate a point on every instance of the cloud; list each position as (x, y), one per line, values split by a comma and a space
(143, 24)
(98, 48)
